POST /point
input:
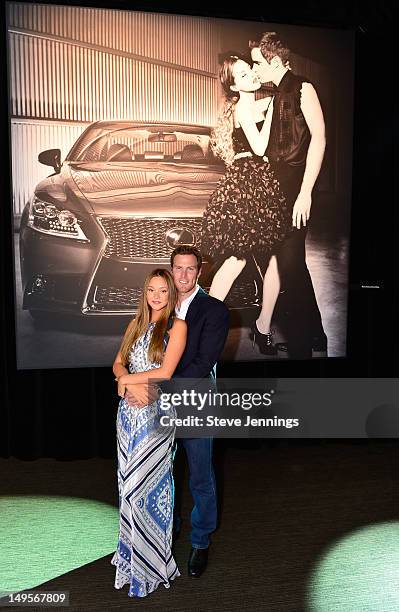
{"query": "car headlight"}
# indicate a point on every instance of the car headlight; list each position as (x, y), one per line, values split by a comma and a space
(48, 218)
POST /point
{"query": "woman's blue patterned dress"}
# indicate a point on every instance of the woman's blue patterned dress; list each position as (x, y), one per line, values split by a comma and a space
(143, 558)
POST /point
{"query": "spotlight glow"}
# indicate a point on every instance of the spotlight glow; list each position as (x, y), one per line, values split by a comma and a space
(44, 537)
(359, 573)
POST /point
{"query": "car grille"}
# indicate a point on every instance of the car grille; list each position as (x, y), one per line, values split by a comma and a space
(122, 297)
(126, 298)
(144, 238)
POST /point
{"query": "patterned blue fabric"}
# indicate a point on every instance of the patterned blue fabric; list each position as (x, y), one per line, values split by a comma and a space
(143, 558)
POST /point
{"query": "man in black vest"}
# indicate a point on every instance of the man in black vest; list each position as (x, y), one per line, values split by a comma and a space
(295, 150)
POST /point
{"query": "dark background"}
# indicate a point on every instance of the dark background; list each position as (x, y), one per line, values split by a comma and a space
(71, 413)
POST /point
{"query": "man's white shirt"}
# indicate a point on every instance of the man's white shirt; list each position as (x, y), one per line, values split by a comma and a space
(181, 312)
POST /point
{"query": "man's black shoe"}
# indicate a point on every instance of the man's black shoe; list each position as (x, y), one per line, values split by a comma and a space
(197, 562)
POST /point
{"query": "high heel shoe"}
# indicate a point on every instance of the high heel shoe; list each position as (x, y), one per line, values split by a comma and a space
(264, 341)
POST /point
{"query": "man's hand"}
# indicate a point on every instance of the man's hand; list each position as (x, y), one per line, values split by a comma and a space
(140, 395)
(121, 388)
(301, 210)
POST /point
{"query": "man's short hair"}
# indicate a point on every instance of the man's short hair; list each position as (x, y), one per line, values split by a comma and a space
(272, 44)
(253, 44)
(185, 249)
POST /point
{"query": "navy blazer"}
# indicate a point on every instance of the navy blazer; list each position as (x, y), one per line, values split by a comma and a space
(207, 328)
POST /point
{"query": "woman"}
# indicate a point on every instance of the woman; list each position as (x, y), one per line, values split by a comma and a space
(151, 349)
(246, 216)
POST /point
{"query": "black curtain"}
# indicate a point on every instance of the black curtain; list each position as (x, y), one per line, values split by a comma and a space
(70, 413)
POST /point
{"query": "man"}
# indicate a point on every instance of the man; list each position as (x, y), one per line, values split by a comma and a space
(207, 328)
(295, 150)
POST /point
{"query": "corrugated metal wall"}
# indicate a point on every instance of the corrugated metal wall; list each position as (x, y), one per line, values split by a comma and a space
(28, 138)
(185, 41)
(72, 64)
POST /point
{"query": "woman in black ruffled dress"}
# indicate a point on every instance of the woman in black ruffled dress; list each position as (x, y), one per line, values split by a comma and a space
(246, 215)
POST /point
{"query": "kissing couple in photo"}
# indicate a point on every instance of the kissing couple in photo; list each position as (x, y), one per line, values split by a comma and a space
(273, 148)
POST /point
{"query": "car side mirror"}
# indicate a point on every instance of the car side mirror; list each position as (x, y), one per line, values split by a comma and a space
(51, 157)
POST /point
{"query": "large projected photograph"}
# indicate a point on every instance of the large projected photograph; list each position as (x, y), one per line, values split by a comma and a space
(134, 133)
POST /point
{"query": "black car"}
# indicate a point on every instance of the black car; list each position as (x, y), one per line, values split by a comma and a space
(126, 195)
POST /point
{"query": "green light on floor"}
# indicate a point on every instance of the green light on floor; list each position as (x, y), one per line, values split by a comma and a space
(359, 574)
(44, 537)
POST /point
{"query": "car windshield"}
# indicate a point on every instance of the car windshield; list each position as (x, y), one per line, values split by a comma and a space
(137, 144)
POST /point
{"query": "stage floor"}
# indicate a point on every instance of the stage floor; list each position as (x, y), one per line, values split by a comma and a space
(299, 522)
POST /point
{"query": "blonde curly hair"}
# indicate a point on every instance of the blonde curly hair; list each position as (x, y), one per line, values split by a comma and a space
(222, 134)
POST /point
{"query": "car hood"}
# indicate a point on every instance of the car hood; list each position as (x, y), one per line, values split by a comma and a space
(147, 189)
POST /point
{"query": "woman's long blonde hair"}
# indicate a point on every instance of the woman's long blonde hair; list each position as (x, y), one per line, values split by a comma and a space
(139, 325)
(221, 137)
